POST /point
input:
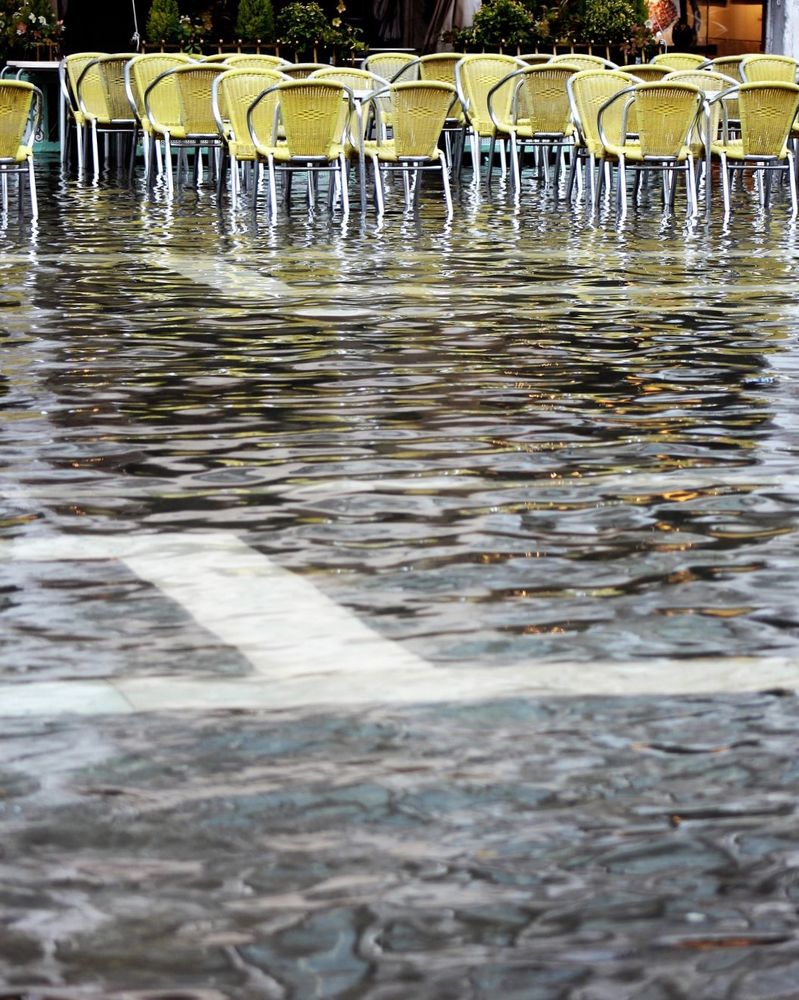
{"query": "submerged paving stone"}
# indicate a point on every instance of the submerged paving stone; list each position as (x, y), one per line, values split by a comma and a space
(302, 854)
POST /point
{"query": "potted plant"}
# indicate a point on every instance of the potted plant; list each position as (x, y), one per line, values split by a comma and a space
(609, 22)
(30, 27)
(303, 28)
(498, 24)
(192, 33)
(163, 23)
(255, 22)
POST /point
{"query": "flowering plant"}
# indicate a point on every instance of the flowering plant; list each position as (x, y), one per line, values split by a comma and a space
(24, 24)
(192, 33)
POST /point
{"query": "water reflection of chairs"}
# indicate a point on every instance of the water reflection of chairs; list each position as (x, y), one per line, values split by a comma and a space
(20, 112)
(232, 95)
(418, 111)
(666, 115)
(767, 114)
(314, 116)
(476, 76)
(196, 127)
(140, 72)
(540, 115)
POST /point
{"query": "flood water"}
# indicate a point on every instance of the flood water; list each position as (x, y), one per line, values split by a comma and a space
(511, 437)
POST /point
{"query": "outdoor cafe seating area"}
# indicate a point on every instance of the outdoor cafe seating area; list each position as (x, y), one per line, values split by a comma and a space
(575, 125)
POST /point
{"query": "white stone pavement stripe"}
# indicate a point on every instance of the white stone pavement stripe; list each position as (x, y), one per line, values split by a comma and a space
(306, 651)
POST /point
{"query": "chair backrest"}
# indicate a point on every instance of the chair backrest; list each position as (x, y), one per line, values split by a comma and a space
(728, 65)
(588, 90)
(314, 114)
(241, 60)
(647, 72)
(419, 110)
(706, 80)
(232, 95)
(767, 113)
(140, 73)
(101, 88)
(20, 108)
(546, 98)
(391, 65)
(666, 115)
(475, 76)
(71, 68)
(678, 60)
(439, 66)
(216, 57)
(534, 58)
(354, 79)
(301, 71)
(760, 68)
(194, 86)
(582, 60)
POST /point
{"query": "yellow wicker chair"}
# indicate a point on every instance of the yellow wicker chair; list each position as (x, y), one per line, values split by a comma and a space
(678, 60)
(588, 91)
(140, 72)
(582, 60)
(439, 67)
(646, 72)
(314, 115)
(540, 115)
(711, 84)
(535, 58)
(393, 66)
(767, 113)
(20, 112)
(241, 60)
(301, 71)
(103, 100)
(762, 68)
(216, 57)
(728, 65)
(232, 95)
(419, 109)
(69, 70)
(475, 76)
(359, 81)
(666, 115)
(196, 126)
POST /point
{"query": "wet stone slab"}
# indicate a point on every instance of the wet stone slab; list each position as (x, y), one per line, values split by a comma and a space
(564, 850)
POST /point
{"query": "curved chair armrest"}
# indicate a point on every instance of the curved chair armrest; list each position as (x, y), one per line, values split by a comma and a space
(397, 77)
(629, 95)
(504, 82)
(253, 137)
(79, 81)
(722, 98)
(129, 91)
(157, 125)
(215, 109)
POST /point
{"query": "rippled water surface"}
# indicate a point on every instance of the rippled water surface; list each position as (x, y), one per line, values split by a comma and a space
(511, 437)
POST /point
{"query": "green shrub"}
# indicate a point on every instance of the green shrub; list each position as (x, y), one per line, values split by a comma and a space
(609, 21)
(256, 21)
(302, 24)
(501, 22)
(163, 23)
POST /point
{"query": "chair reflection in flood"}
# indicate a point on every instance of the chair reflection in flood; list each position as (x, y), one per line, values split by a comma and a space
(308, 133)
(20, 112)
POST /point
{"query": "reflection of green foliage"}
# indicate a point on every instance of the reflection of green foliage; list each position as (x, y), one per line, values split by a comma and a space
(609, 21)
(163, 24)
(256, 21)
